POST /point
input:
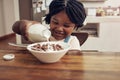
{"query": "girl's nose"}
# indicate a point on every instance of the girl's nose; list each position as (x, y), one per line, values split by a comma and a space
(59, 28)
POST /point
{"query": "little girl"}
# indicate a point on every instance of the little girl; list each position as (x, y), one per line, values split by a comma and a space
(64, 16)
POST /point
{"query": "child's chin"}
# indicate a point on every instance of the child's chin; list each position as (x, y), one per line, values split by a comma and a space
(59, 38)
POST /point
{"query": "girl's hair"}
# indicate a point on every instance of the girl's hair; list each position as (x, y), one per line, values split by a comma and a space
(74, 10)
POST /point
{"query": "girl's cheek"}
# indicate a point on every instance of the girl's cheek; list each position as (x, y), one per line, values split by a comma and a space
(51, 26)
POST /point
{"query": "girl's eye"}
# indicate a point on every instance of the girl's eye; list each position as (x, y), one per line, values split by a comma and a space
(66, 26)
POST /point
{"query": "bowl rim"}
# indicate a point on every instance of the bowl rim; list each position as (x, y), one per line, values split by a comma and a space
(55, 42)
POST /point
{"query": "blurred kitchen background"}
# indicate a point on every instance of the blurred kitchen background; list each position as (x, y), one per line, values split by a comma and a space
(102, 22)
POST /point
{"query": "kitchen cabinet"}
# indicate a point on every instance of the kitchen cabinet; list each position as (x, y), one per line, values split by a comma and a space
(108, 39)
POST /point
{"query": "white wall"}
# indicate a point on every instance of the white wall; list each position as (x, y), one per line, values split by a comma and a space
(110, 37)
(9, 14)
(1, 18)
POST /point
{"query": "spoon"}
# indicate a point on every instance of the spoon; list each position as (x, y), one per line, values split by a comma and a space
(18, 45)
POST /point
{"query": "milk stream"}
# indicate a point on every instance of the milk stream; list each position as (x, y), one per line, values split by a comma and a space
(47, 34)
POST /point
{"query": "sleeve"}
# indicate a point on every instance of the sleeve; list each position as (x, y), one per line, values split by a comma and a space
(74, 42)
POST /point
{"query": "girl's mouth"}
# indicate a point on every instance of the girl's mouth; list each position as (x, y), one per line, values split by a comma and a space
(58, 35)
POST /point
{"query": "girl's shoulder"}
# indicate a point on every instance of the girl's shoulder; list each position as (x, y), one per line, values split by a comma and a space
(73, 37)
(74, 42)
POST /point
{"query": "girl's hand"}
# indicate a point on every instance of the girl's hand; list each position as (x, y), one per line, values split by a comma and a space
(21, 27)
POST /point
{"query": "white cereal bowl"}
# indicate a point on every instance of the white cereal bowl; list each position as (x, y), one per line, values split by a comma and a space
(49, 56)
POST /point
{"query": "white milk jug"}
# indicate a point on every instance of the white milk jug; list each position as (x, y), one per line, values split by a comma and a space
(38, 33)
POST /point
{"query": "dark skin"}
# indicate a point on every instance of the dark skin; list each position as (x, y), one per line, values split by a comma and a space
(61, 26)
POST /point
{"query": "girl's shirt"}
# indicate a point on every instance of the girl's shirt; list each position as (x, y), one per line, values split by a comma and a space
(74, 42)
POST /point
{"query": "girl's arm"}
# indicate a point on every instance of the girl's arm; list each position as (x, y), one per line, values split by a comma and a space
(20, 27)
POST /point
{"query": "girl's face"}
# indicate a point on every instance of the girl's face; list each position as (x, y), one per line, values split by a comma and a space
(61, 26)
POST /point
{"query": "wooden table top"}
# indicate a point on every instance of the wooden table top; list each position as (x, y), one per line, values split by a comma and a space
(82, 66)
(73, 66)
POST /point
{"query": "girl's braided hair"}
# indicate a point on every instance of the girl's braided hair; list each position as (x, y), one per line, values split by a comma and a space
(74, 10)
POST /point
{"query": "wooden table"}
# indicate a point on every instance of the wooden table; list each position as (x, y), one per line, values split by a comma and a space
(74, 66)
(82, 66)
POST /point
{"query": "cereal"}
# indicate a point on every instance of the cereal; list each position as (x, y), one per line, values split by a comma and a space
(47, 47)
